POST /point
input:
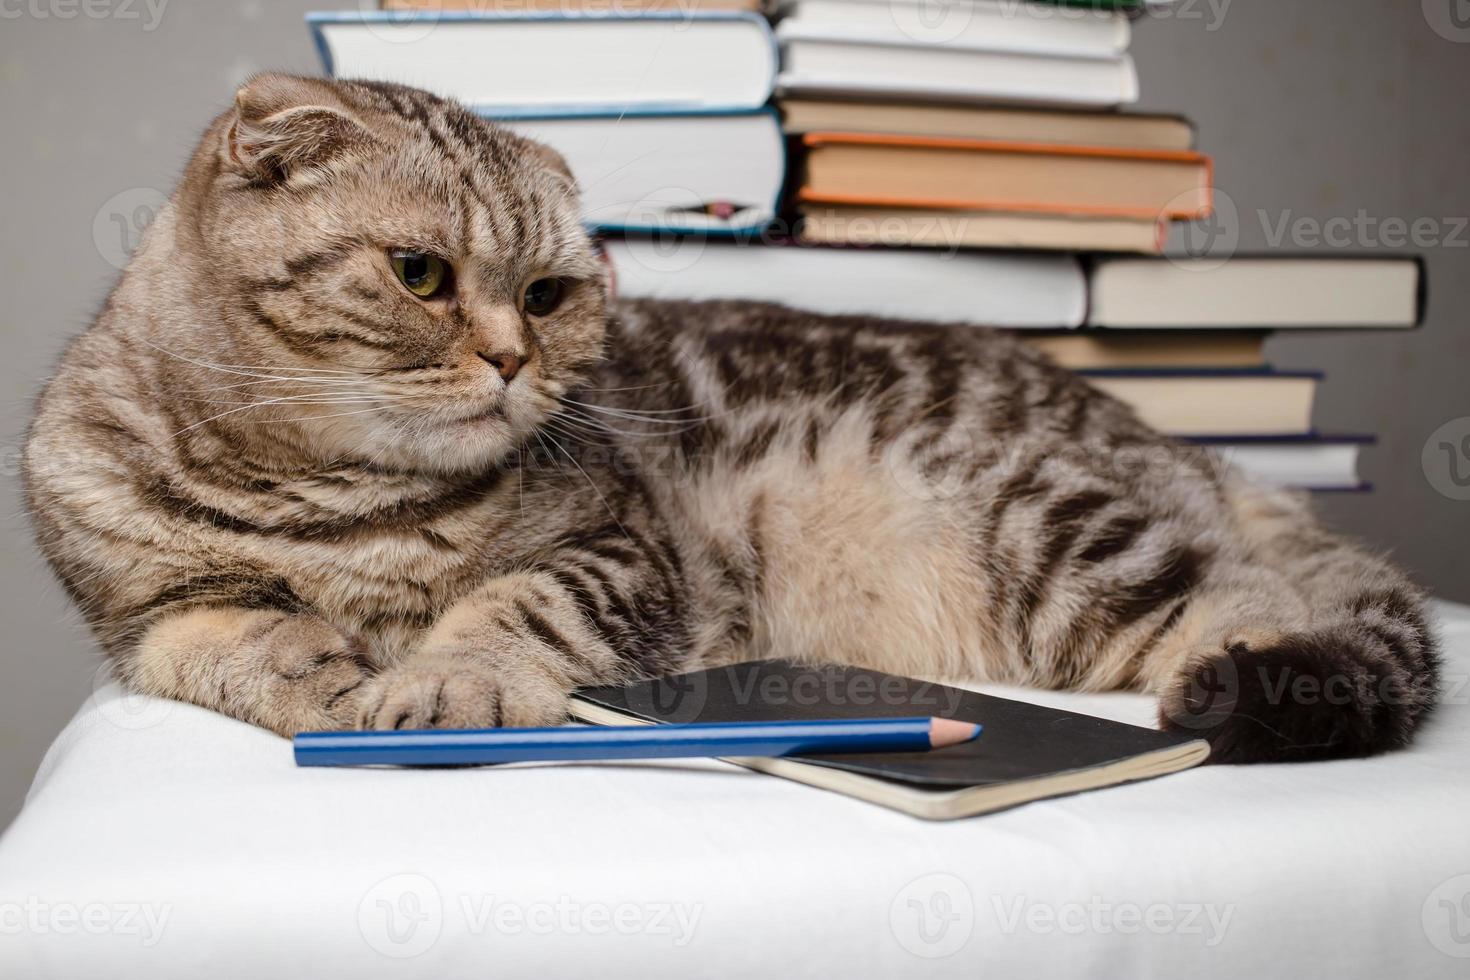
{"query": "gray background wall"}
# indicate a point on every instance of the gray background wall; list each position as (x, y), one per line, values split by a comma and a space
(1315, 109)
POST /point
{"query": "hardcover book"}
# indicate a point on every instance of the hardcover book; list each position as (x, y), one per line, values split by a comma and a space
(534, 63)
(1265, 291)
(928, 172)
(1134, 130)
(838, 224)
(1311, 462)
(988, 25)
(1220, 402)
(1113, 349)
(1036, 290)
(712, 172)
(816, 61)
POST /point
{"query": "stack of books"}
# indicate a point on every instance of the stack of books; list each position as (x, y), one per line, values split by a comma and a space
(966, 163)
(896, 104)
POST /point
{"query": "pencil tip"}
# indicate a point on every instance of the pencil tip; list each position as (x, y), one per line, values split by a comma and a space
(944, 732)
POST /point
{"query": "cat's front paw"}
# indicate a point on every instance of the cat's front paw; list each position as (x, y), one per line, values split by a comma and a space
(446, 690)
(310, 676)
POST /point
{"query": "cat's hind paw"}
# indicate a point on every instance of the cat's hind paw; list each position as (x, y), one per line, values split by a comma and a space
(1333, 693)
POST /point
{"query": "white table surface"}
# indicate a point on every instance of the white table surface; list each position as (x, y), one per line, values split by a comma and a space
(161, 841)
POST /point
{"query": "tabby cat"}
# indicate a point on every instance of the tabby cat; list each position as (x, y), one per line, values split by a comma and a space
(360, 439)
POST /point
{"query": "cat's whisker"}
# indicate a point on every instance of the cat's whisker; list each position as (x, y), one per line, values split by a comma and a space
(600, 427)
(580, 435)
(649, 416)
(634, 411)
(676, 425)
(305, 396)
(277, 381)
(591, 483)
(262, 404)
(658, 384)
(335, 415)
(243, 372)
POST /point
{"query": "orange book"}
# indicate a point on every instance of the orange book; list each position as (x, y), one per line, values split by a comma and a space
(986, 175)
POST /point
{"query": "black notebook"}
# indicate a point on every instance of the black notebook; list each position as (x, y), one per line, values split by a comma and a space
(1027, 752)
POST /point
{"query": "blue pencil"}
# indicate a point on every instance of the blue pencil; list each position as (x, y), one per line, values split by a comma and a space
(447, 747)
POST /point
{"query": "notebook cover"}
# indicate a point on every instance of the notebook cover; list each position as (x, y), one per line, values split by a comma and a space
(1021, 741)
(819, 139)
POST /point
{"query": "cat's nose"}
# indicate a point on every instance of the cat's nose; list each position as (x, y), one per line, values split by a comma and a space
(506, 363)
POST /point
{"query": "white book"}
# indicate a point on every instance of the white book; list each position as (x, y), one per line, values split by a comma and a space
(994, 25)
(700, 172)
(1257, 291)
(994, 289)
(529, 62)
(815, 63)
(1322, 465)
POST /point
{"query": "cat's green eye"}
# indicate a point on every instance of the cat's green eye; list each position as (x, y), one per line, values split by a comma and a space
(544, 295)
(422, 274)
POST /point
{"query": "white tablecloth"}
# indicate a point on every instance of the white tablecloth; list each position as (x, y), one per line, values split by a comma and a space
(161, 841)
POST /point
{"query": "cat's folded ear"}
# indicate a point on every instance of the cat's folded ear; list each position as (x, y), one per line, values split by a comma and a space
(283, 124)
(554, 162)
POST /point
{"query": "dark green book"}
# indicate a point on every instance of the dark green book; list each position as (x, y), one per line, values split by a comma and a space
(1027, 752)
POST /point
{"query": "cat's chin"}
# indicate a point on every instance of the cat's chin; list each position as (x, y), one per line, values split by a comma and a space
(443, 447)
(467, 446)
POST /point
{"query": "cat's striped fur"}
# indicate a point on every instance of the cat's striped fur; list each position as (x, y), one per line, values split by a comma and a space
(282, 487)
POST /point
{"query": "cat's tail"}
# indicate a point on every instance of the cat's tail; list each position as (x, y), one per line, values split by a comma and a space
(1339, 662)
